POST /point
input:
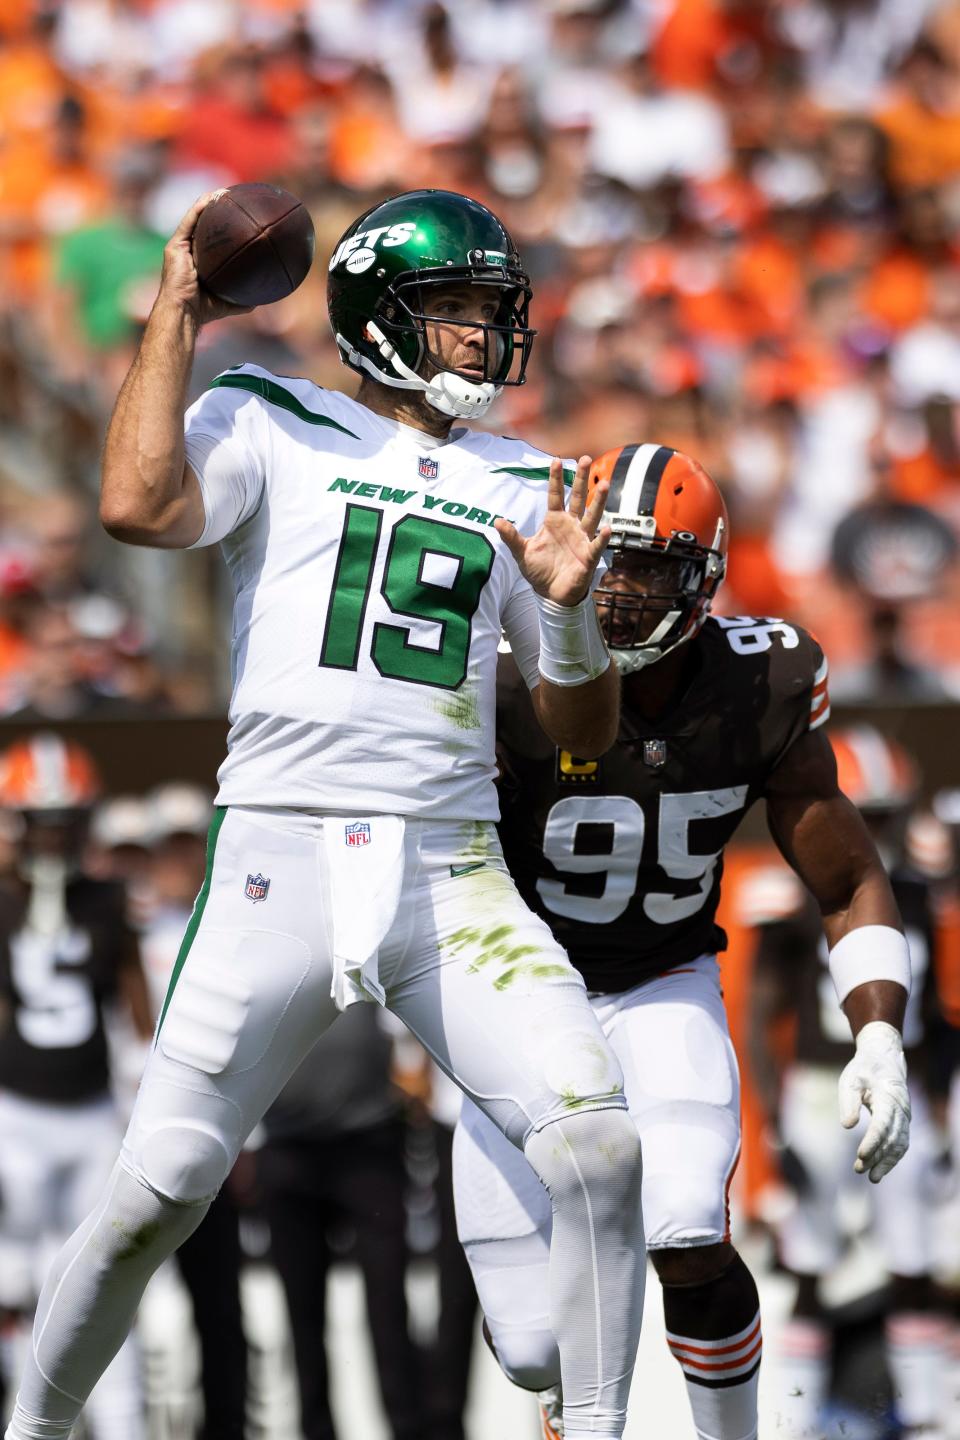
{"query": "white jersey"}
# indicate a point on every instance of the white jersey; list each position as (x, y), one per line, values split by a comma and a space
(371, 593)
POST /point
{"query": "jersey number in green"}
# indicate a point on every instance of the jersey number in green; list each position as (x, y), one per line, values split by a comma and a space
(433, 572)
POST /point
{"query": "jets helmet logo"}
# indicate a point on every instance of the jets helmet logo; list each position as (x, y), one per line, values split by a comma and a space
(359, 251)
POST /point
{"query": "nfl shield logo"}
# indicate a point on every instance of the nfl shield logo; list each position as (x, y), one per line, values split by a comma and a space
(358, 833)
(429, 469)
(256, 887)
(655, 753)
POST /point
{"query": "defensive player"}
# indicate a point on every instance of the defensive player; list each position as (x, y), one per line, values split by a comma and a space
(623, 857)
(791, 978)
(378, 548)
(66, 951)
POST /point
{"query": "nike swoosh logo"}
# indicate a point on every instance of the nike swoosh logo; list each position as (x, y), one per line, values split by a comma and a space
(457, 870)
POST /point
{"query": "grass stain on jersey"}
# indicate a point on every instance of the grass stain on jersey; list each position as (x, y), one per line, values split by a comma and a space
(462, 709)
(136, 1241)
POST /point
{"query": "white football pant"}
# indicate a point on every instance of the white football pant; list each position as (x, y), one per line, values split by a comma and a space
(682, 1084)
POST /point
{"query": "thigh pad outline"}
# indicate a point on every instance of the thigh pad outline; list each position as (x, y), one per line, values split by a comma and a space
(231, 998)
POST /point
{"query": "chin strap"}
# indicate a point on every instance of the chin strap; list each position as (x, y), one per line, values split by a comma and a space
(447, 392)
(628, 662)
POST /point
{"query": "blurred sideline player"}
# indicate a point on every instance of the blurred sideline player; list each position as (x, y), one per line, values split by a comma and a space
(66, 950)
(791, 979)
(353, 854)
(623, 857)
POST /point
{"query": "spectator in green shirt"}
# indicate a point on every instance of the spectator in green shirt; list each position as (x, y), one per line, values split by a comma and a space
(108, 274)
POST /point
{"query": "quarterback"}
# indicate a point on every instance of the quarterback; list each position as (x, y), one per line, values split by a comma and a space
(622, 855)
(378, 549)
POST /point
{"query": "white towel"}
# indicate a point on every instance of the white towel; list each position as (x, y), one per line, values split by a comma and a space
(365, 861)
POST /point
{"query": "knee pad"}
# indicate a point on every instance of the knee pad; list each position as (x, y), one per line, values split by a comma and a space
(182, 1161)
(529, 1358)
(593, 1150)
(602, 1144)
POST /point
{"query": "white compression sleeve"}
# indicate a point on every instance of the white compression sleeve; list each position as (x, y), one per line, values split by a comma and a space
(89, 1300)
(590, 1165)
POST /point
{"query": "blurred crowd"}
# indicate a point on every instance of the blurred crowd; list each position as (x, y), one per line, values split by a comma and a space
(740, 216)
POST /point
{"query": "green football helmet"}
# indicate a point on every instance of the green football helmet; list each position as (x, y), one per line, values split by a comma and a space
(385, 269)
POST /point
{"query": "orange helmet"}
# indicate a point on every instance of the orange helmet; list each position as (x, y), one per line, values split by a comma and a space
(661, 505)
(48, 773)
(873, 771)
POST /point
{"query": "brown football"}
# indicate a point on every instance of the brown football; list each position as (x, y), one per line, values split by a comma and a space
(253, 244)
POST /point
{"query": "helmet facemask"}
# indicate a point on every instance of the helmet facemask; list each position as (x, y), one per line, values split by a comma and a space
(399, 331)
(652, 600)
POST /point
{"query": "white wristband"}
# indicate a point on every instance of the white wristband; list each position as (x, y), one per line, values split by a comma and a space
(873, 952)
(571, 645)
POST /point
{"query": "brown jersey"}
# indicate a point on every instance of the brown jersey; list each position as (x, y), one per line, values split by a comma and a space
(623, 856)
(53, 989)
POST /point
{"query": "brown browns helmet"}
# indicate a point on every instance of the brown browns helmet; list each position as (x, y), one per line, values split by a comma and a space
(668, 548)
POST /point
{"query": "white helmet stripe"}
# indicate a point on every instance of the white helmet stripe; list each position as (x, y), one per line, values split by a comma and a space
(624, 498)
(50, 766)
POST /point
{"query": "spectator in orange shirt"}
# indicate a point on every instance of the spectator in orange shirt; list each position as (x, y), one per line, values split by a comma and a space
(368, 149)
(922, 122)
(48, 185)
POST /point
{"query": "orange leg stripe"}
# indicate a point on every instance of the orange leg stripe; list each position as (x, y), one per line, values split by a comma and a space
(678, 1345)
(727, 1365)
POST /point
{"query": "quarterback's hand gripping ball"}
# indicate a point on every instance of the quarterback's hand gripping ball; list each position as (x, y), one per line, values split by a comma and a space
(877, 1077)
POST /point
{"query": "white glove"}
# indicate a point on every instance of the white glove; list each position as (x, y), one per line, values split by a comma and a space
(877, 1077)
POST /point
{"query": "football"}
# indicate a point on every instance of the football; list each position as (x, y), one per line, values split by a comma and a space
(253, 244)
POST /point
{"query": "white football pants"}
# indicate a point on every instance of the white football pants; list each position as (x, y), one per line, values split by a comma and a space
(682, 1084)
(294, 906)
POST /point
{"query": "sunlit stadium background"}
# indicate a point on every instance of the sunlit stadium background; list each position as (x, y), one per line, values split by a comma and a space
(742, 220)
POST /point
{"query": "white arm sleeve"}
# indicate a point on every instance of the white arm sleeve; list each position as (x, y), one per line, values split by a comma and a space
(521, 626)
(222, 441)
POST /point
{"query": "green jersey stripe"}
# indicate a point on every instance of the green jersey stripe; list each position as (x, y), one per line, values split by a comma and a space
(276, 395)
(190, 934)
(534, 472)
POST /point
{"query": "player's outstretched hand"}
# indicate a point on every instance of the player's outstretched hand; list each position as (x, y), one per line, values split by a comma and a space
(877, 1077)
(179, 282)
(559, 560)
